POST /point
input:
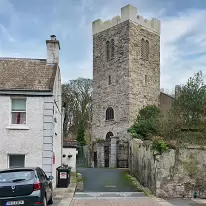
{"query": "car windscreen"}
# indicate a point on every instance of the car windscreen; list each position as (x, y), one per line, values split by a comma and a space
(16, 175)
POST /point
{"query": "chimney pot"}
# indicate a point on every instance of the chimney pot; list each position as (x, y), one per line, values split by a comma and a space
(177, 91)
(53, 37)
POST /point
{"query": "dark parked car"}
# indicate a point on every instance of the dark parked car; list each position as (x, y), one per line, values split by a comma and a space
(25, 186)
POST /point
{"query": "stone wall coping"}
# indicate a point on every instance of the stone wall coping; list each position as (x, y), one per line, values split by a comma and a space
(128, 12)
(139, 141)
(196, 147)
(148, 142)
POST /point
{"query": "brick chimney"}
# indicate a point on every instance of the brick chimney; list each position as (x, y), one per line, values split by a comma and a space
(53, 48)
(177, 91)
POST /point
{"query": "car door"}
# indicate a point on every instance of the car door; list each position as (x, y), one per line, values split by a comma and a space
(46, 183)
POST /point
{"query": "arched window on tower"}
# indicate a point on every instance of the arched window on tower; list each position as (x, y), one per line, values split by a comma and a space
(112, 48)
(109, 113)
(107, 50)
(108, 135)
(146, 49)
(142, 48)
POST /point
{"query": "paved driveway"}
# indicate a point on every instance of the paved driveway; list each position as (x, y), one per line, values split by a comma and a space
(103, 186)
(106, 180)
(110, 187)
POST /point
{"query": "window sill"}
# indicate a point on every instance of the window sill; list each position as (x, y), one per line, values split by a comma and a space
(18, 127)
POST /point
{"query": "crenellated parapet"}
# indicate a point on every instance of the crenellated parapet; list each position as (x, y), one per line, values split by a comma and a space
(127, 13)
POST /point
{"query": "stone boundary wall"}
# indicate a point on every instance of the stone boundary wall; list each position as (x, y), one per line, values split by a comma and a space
(174, 174)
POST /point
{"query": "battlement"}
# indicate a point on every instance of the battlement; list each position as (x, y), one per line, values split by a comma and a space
(127, 13)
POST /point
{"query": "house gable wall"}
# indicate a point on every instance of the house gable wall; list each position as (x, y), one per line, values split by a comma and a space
(28, 141)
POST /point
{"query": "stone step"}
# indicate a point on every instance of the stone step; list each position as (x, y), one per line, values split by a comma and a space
(98, 195)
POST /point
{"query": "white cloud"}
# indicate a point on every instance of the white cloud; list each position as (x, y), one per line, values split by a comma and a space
(183, 41)
(177, 44)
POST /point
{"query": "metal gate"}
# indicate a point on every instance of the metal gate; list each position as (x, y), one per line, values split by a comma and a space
(82, 156)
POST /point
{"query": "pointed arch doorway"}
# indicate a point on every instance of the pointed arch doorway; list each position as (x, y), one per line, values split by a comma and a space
(107, 148)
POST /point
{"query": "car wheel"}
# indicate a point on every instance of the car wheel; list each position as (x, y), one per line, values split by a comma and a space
(44, 201)
(50, 202)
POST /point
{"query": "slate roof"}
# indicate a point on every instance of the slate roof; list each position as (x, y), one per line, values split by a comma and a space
(70, 144)
(26, 74)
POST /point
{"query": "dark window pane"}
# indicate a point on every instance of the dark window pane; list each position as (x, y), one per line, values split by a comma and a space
(143, 48)
(16, 161)
(112, 48)
(11, 176)
(109, 134)
(107, 50)
(109, 114)
(18, 117)
(109, 80)
(147, 49)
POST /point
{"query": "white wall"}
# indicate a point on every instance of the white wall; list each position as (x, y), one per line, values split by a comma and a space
(57, 140)
(70, 161)
(28, 141)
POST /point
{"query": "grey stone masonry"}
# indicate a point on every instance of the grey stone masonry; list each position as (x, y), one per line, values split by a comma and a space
(126, 77)
(113, 156)
(126, 81)
(100, 154)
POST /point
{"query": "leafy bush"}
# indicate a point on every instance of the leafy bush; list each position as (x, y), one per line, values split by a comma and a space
(160, 145)
(146, 124)
(148, 112)
(100, 140)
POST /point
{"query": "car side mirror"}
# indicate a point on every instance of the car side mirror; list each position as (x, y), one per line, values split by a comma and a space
(50, 178)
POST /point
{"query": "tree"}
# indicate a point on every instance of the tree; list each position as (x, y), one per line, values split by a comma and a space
(190, 104)
(77, 94)
(186, 123)
(146, 123)
(81, 133)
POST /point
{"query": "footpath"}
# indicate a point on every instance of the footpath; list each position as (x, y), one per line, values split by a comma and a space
(64, 196)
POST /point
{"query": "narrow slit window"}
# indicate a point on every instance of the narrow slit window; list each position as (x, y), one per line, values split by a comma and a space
(110, 80)
(146, 80)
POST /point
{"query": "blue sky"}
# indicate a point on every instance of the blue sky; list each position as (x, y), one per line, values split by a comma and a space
(26, 24)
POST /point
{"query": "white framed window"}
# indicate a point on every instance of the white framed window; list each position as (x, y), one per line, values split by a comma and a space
(18, 111)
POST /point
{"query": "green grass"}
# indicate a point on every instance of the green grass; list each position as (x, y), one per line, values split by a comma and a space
(135, 183)
(132, 181)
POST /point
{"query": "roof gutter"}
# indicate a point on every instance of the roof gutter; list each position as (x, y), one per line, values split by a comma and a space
(26, 92)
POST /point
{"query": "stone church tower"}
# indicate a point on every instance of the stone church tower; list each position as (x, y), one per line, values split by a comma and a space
(126, 73)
